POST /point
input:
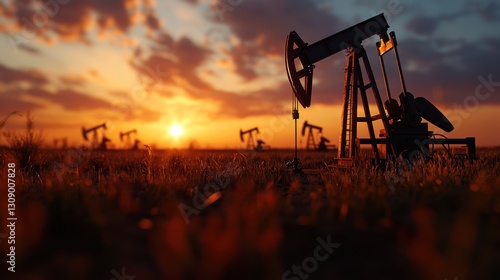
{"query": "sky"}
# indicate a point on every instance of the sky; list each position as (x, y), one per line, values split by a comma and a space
(213, 67)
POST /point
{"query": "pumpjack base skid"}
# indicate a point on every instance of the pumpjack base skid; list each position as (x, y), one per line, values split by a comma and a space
(410, 143)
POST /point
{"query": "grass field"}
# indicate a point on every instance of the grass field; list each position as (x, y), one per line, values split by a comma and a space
(243, 215)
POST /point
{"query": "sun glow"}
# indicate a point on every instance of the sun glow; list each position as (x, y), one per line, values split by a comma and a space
(176, 131)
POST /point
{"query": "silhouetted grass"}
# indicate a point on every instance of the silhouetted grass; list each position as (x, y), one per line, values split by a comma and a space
(435, 220)
(25, 147)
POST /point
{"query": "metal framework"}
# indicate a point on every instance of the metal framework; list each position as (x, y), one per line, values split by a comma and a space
(95, 141)
(126, 136)
(403, 133)
(250, 139)
(311, 143)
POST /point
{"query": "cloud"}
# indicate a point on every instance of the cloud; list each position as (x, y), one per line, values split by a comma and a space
(29, 49)
(12, 76)
(12, 103)
(456, 71)
(72, 80)
(264, 102)
(488, 10)
(178, 62)
(94, 74)
(422, 25)
(152, 21)
(34, 95)
(72, 20)
(129, 109)
(143, 114)
(112, 12)
(259, 32)
(70, 99)
(170, 61)
(262, 26)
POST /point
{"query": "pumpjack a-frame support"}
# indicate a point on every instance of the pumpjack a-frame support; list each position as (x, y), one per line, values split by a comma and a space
(355, 87)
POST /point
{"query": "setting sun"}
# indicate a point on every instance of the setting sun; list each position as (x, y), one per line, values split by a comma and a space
(176, 131)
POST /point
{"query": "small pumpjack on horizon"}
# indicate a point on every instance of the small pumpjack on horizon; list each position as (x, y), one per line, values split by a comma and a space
(311, 142)
(102, 145)
(250, 139)
(126, 136)
(403, 133)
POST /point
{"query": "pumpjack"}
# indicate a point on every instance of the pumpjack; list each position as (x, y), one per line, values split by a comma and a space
(95, 141)
(103, 145)
(311, 143)
(323, 146)
(403, 133)
(250, 139)
(126, 136)
(136, 145)
(260, 146)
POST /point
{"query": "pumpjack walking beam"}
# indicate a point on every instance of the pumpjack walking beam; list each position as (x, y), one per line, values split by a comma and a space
(310, 54)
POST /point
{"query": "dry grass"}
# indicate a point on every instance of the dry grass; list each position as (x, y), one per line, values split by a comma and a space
(93, 212)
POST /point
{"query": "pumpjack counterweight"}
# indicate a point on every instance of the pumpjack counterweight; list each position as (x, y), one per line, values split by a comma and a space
(403, 133)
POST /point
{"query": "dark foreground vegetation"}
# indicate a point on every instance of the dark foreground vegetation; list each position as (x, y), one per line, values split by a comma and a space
(242, 215)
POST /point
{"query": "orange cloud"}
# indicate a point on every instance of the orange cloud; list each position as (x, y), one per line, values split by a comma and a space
(72, 20)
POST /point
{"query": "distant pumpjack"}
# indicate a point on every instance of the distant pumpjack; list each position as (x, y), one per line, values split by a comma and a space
(64, 143)
(250, 140)
(103, 146)
(311, 143)
(136, 145)
(95, 142)
(322, 144)
(260, 146)
(126, 136)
